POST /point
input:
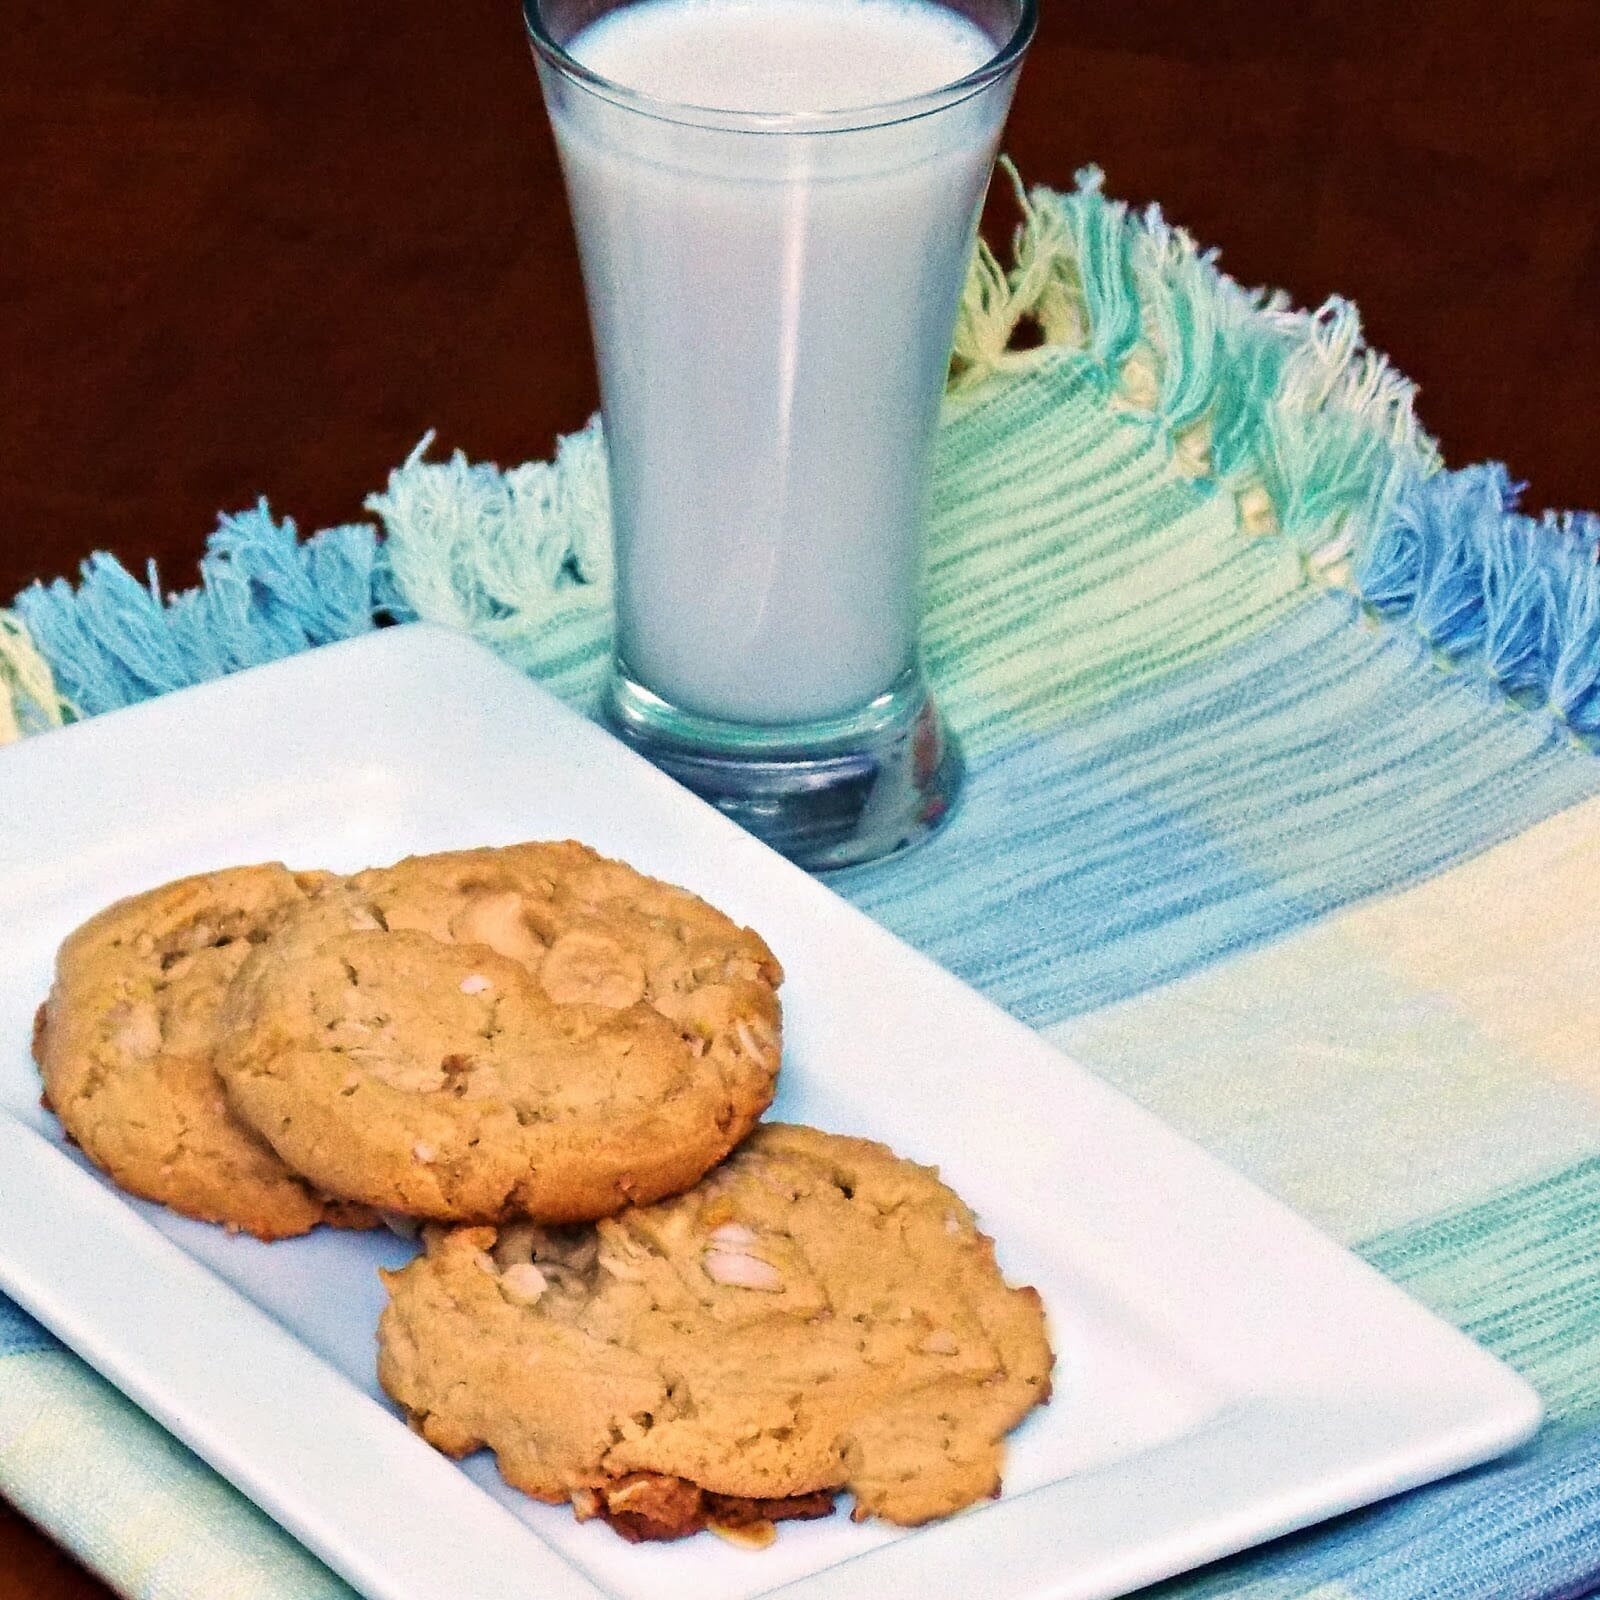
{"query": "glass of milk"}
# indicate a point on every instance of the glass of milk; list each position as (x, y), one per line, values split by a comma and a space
(776, 203)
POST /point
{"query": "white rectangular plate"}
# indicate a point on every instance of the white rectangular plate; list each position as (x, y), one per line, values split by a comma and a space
(1225, 1372)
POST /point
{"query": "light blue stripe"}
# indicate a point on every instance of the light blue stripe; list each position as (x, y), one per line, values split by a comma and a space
(1526, 1527)
(19, 1333)
(1313, 765)
(1520, 1272)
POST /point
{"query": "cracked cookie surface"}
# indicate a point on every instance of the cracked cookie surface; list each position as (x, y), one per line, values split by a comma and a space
(124, 1045)
(529, 1031)
(817, 1315)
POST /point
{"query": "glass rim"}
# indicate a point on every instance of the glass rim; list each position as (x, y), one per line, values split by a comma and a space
(853, 119)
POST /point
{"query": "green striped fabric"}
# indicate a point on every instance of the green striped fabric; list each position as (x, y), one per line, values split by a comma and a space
(1281, 814)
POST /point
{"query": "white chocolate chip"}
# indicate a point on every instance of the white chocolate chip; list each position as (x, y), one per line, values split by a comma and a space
(733, 1236)
(497, 921)
(412, 1078)
(523, 1284)
(585, 968)
(756, 1038)
(137, 1029)
(585, 1504)
(401, 1226)
(736, 1270)
(952, 1223)
(423, 1152)
(941, 1342)
(475, 984)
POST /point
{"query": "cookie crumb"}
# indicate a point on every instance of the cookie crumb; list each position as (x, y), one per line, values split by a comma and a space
(746, 1536)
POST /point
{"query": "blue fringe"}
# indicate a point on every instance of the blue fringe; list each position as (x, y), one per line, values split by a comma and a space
(262, 595)
(1492, 590)
(1296, 405)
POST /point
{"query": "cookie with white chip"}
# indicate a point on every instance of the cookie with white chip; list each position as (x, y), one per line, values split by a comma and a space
(818, 1315)
(124, 1045)
(530, 1031)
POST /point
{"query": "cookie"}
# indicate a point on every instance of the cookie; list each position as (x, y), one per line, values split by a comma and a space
(818, 1315)
(124, 1047)
(533, 1031)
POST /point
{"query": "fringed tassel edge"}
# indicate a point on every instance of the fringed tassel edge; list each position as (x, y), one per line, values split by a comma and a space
(1310, 430)
(499, 553)
(1314, 434)
(29, 699)
(263, 594)
(1509, 598)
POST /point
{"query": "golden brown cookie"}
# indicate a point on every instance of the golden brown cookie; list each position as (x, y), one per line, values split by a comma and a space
(532, 1031)
(124, 1047)
(817, 1315)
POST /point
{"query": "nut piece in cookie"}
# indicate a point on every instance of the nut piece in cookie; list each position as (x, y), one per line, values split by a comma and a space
(646, 1508)
(531, 1031)
(124, 1046)
(871, 1345)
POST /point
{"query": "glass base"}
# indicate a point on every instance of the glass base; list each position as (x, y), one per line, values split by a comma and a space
(827, 794)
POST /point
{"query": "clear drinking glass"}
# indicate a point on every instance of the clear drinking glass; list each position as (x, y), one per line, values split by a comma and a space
(773, 296)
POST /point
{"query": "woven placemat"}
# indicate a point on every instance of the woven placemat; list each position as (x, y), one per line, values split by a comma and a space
(1281, 813)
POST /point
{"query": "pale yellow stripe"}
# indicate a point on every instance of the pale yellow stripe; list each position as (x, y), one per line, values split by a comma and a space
(1400, 1060)
(1513, 937)
(133, 1503)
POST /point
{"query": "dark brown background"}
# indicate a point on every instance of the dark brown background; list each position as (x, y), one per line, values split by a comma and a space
(259, 249)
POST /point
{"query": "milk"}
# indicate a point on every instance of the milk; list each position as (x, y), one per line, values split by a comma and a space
(783, 55)
(772, 314)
